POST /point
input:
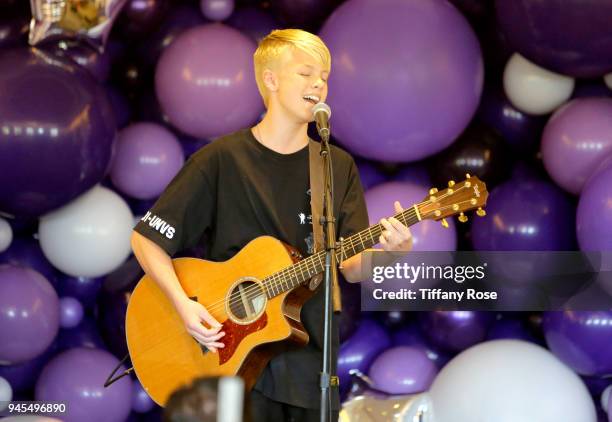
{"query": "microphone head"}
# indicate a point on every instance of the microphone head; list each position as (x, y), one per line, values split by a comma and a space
(321, 107)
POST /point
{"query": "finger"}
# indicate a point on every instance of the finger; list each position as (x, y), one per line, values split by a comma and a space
(215, 337)
(203, 331)
(402, 229)
(398, 207)
(209, 319)
(216, 345)
(386, 224)
(203, 342)
(382, 240)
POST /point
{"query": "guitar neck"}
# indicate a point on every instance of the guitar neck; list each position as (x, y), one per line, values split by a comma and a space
(298, 273)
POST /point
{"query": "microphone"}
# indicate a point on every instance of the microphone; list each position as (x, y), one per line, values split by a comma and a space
(322, 113)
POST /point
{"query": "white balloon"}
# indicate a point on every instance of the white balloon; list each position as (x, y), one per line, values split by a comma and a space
(608, 80)
(605, 398)
(533, 89)
(509, 381)
(89, 236)
(6, 235)
(6, 393)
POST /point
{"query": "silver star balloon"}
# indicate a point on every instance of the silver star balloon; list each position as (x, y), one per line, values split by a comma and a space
(90, 20)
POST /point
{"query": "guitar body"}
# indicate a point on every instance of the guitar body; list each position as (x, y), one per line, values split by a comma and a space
(256, 327)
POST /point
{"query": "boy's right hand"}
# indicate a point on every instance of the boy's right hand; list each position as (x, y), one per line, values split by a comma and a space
(194, 314)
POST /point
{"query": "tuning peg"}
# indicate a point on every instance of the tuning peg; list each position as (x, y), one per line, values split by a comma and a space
(481, 212)
(462, 217)
(451, 183)
(444, 223)
(433, 191)
(467, 175)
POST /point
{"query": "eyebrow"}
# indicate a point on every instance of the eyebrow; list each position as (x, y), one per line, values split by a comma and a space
(312, 67)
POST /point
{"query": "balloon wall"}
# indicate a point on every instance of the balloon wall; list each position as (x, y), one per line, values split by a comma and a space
(100, 111)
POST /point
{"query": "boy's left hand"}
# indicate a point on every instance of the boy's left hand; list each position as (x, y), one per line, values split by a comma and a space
(395, 236)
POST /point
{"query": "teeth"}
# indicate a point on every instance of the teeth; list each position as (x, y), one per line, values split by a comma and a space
(311, 98)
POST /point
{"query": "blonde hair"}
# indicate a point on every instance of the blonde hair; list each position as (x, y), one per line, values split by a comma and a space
(274, 45)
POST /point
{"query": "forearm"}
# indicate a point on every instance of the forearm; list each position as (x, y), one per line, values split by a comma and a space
(157, 264)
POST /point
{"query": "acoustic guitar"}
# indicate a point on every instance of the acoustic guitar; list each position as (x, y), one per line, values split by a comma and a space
(257, 295)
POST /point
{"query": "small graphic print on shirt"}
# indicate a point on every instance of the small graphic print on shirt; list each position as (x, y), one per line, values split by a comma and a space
(159, 224)
(309, 243)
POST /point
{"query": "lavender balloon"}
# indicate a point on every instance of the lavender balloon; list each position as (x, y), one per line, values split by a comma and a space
(566, 36)
(50, 151)
(222, 89)
(428, 235)
(594, 215)
(403, 370)
(76, 377)
(411, 335)
(455, 330)
(147, 157)
(29, 314)
(526, 214)
(71, 312)
(422, 89)
(576, 140)
(360, 349)
(141, 401)
(582, 340)
(217, 10)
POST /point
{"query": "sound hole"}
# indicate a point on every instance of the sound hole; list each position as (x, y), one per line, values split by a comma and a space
(246, 302)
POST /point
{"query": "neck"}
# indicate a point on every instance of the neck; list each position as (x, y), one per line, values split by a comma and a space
(281, 134)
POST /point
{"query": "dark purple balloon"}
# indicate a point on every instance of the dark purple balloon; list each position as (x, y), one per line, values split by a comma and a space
(413, 173)
(566, 36)
(411, 335)
(361, 349)
(368, 173)
(510, 328)
(529, 215)
(596, 385)
(82, 54)
(350, 317)
(14, 29)
(76, 377)
(139, 17)
(582, 340)
(29, 314)
(455, 330)
(23, 376)
(83, 335)
(191, 144)
(302, 13)
(253, 21)
(58, 131)
(520, 130)
(26, 252)
(120, 105)
(591, 88)
(402, 370)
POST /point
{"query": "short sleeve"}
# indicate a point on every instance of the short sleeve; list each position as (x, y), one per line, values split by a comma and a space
(353, 215)
(183, 211)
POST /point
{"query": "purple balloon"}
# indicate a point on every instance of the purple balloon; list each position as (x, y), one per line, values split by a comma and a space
(120, 106)
(455, 330)
(76, 377)
(402, 370)
(360, 349)
(83, 335)
(147, 157)
(413, 173)
(141, 401)
(58, 131)
(510, 328)
(594, 215)
(139, 17)
(520, 130)
(180, 18)
(525, 215)
(410, 335)
(370, 176)
(14, 28)
(422, 89)
(428, 235)
(302, 13)
(223, 89)
(85, 56)
(566, 36)
(591, 88)
(71, 312)
(191, 145)
(85, 289)
(582, 340)
(253, 22)
(29, 314)
(217, 10)
(23, 376)
(577, 138)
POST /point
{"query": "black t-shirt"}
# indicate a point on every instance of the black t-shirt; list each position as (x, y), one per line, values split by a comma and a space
(236, 189)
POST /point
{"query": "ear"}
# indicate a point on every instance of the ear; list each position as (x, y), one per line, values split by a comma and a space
(270, 80)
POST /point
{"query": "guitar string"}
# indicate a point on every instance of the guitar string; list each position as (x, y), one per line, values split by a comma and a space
(279, 278)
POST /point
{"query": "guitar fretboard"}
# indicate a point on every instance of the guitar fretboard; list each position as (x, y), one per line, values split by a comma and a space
(298, 273)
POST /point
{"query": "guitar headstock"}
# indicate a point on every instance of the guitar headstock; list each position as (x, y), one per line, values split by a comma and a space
(458, 198)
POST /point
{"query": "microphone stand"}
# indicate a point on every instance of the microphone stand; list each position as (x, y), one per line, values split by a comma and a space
(331, 278)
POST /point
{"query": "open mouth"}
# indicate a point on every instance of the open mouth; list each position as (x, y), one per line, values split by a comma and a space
(313, 99)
